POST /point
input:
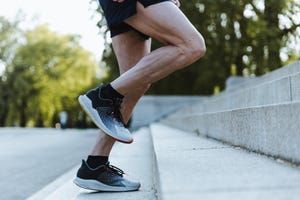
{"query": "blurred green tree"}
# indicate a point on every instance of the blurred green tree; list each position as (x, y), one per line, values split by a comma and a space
(251, 36)
(46, 75)
(9, 34)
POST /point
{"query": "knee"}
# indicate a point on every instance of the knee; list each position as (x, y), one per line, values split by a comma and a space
(198, 47)
(195, 48)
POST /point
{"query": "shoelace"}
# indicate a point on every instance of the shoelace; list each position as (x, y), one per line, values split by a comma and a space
(114, 169)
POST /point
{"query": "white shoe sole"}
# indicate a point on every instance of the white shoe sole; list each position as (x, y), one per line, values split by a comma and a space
(87, 106)
(98, 186)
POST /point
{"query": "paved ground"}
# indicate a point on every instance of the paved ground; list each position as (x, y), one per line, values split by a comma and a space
(31, 158)
(135, 159)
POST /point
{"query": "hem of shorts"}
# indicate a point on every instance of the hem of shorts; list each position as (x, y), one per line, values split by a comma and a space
(130, 14)
(123, 31)
(146, 37)
(122, 21)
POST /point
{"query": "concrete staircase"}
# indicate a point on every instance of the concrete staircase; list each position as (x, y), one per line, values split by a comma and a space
(195, 168)
(252, 150)
(261, 114)
(178, 165)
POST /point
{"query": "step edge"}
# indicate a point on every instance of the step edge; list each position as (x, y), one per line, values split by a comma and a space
(54, 185)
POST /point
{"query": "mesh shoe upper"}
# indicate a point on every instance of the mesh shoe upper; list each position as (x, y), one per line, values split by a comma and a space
(108, 117)
(106, 106)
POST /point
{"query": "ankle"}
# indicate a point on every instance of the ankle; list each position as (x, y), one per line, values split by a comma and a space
(96, 161)
(108, 92)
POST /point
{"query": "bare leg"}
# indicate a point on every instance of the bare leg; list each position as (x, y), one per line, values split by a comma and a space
(165, 22)
(129, 48)
(184, 46)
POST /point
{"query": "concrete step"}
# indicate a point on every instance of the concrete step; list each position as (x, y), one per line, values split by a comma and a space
(135, 159)
(262, 116)
(283, 90)
(272, 130)
(192, 167)
(158, 107)
(288, 70)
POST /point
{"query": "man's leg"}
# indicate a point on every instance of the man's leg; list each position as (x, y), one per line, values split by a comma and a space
(184, 45)
(96, 173)
(129, 48)
(165, 22)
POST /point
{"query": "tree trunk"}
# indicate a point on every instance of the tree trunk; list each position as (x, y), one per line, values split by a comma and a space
(23, 113)
(272, 10)
(4, 112)
(40, 121)
(3, 117)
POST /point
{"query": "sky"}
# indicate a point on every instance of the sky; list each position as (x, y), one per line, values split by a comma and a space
(63, 16)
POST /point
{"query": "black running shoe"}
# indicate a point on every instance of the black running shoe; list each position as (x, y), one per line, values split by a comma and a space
(106, 114)
(104, 178)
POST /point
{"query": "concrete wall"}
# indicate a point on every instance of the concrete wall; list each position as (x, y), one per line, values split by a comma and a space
(153, 108)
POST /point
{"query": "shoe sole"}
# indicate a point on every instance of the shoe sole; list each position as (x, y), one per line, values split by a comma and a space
(98, 186)
(86, 104)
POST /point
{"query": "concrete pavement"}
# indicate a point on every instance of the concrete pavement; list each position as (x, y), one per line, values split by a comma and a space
(31, 158)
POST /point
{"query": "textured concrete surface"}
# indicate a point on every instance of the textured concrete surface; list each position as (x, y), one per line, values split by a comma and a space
(152, 108)
(274, 130)
(31, 158)
(279, 86)
(234, 81)
(192, 167)
(135, 159)
(276, 74)
(273, 92)
(295, 87)
(262, 115)
(286, 89)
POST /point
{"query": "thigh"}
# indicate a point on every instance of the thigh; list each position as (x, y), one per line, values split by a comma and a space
(129, 48)
(163, 21)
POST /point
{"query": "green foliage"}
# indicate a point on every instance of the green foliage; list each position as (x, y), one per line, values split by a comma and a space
(47, 73)
(248, 34)
(9, 34)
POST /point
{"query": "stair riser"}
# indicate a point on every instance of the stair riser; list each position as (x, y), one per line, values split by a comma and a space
(283, 90)
(272, 130)
(274, 75)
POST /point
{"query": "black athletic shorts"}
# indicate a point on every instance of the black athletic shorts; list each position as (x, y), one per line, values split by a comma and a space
(115, 14)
